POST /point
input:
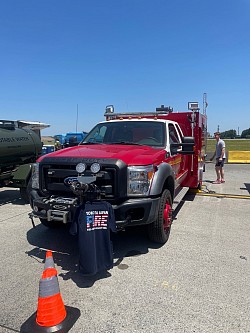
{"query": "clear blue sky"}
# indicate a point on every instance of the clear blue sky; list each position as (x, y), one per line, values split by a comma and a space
(135, 54)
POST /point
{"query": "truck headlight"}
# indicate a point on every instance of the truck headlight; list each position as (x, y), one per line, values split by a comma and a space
(35, 176)
(95, 167)
(139, 179)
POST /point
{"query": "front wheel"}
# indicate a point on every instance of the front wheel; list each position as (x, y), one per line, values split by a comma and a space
(159, 230)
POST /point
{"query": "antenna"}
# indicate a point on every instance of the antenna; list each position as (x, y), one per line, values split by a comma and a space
(205, 104)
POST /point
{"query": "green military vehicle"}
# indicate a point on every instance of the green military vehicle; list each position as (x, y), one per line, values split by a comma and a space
(20, 146)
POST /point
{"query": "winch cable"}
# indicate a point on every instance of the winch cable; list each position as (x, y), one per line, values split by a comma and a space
(206, 192)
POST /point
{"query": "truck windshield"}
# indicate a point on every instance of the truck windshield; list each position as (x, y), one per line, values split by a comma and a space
(149, 133)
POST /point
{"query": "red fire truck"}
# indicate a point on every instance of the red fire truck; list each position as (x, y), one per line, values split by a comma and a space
(143, 163)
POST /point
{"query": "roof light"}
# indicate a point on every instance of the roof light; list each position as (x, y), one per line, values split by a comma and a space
(109, 109)
(193, 106)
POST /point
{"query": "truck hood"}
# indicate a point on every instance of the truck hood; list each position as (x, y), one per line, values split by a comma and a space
(129, 154)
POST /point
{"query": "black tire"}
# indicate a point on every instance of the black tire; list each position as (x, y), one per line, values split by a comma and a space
(51, 224)
(24, 194)
(159, 230)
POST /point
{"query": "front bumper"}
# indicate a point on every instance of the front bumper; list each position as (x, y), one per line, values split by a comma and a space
(136, 211)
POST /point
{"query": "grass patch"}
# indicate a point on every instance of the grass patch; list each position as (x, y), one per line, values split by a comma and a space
(231, 145)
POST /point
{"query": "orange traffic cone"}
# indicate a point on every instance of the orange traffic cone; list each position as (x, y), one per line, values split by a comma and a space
(49, 262)
(52, 315)
(50, 310)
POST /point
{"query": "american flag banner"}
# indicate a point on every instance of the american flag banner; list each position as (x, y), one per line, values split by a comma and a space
(98, 221)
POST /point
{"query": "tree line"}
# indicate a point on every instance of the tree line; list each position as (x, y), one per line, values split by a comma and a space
(231, 134)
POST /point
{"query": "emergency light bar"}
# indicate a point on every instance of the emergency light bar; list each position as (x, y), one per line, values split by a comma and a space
(164, 109)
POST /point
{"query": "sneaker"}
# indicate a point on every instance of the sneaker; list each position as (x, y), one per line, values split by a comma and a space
(222, 181)
(217, 182)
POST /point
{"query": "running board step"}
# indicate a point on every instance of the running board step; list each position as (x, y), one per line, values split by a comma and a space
(179, 197)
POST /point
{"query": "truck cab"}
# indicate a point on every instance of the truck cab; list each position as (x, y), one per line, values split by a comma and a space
(163, 138)
(73, 138)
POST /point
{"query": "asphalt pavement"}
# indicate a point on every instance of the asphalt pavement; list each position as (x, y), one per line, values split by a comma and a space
(197, 282)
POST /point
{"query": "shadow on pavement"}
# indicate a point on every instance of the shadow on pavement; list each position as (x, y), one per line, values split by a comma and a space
(247, 187)
(8, 196)
(132, 242)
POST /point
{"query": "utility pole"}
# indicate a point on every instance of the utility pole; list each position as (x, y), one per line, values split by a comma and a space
(205, 104)
(76, 116)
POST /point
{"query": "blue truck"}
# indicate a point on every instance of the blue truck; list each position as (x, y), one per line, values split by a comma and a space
(60, 137)
(73, 138)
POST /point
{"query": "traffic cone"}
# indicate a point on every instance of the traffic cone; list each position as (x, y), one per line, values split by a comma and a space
(51, 315)
(50, 310)
(49, 262)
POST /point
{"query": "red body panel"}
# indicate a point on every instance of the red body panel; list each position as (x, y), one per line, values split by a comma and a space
(135, 155)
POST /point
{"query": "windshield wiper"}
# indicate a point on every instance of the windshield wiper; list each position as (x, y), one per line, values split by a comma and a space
(112, 143)
(124, 143)
(91, 143)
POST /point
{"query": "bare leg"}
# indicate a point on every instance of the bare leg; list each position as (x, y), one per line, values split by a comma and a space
(222, 173)
(217, 169)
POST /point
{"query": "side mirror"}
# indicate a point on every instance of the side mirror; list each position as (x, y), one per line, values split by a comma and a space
(187, 146)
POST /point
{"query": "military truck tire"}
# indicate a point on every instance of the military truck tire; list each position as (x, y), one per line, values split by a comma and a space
(24, 194)
(159, 230)
(51, 224)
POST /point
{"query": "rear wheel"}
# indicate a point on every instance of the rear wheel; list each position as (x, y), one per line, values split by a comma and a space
(159, 230)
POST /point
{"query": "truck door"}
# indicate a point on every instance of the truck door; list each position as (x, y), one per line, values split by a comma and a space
(178, 162)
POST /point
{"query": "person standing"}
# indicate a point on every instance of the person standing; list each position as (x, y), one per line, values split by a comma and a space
(220, 153)
(58, 145)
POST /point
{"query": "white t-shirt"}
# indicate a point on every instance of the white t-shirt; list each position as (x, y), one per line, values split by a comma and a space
(219, 146)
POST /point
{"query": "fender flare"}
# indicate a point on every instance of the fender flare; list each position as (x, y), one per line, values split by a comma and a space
(163, 178)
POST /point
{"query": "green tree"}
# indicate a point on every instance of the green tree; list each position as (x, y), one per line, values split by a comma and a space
(231, 134)
(245, 133)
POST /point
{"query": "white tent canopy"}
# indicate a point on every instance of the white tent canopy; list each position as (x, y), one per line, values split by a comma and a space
(34, 125)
